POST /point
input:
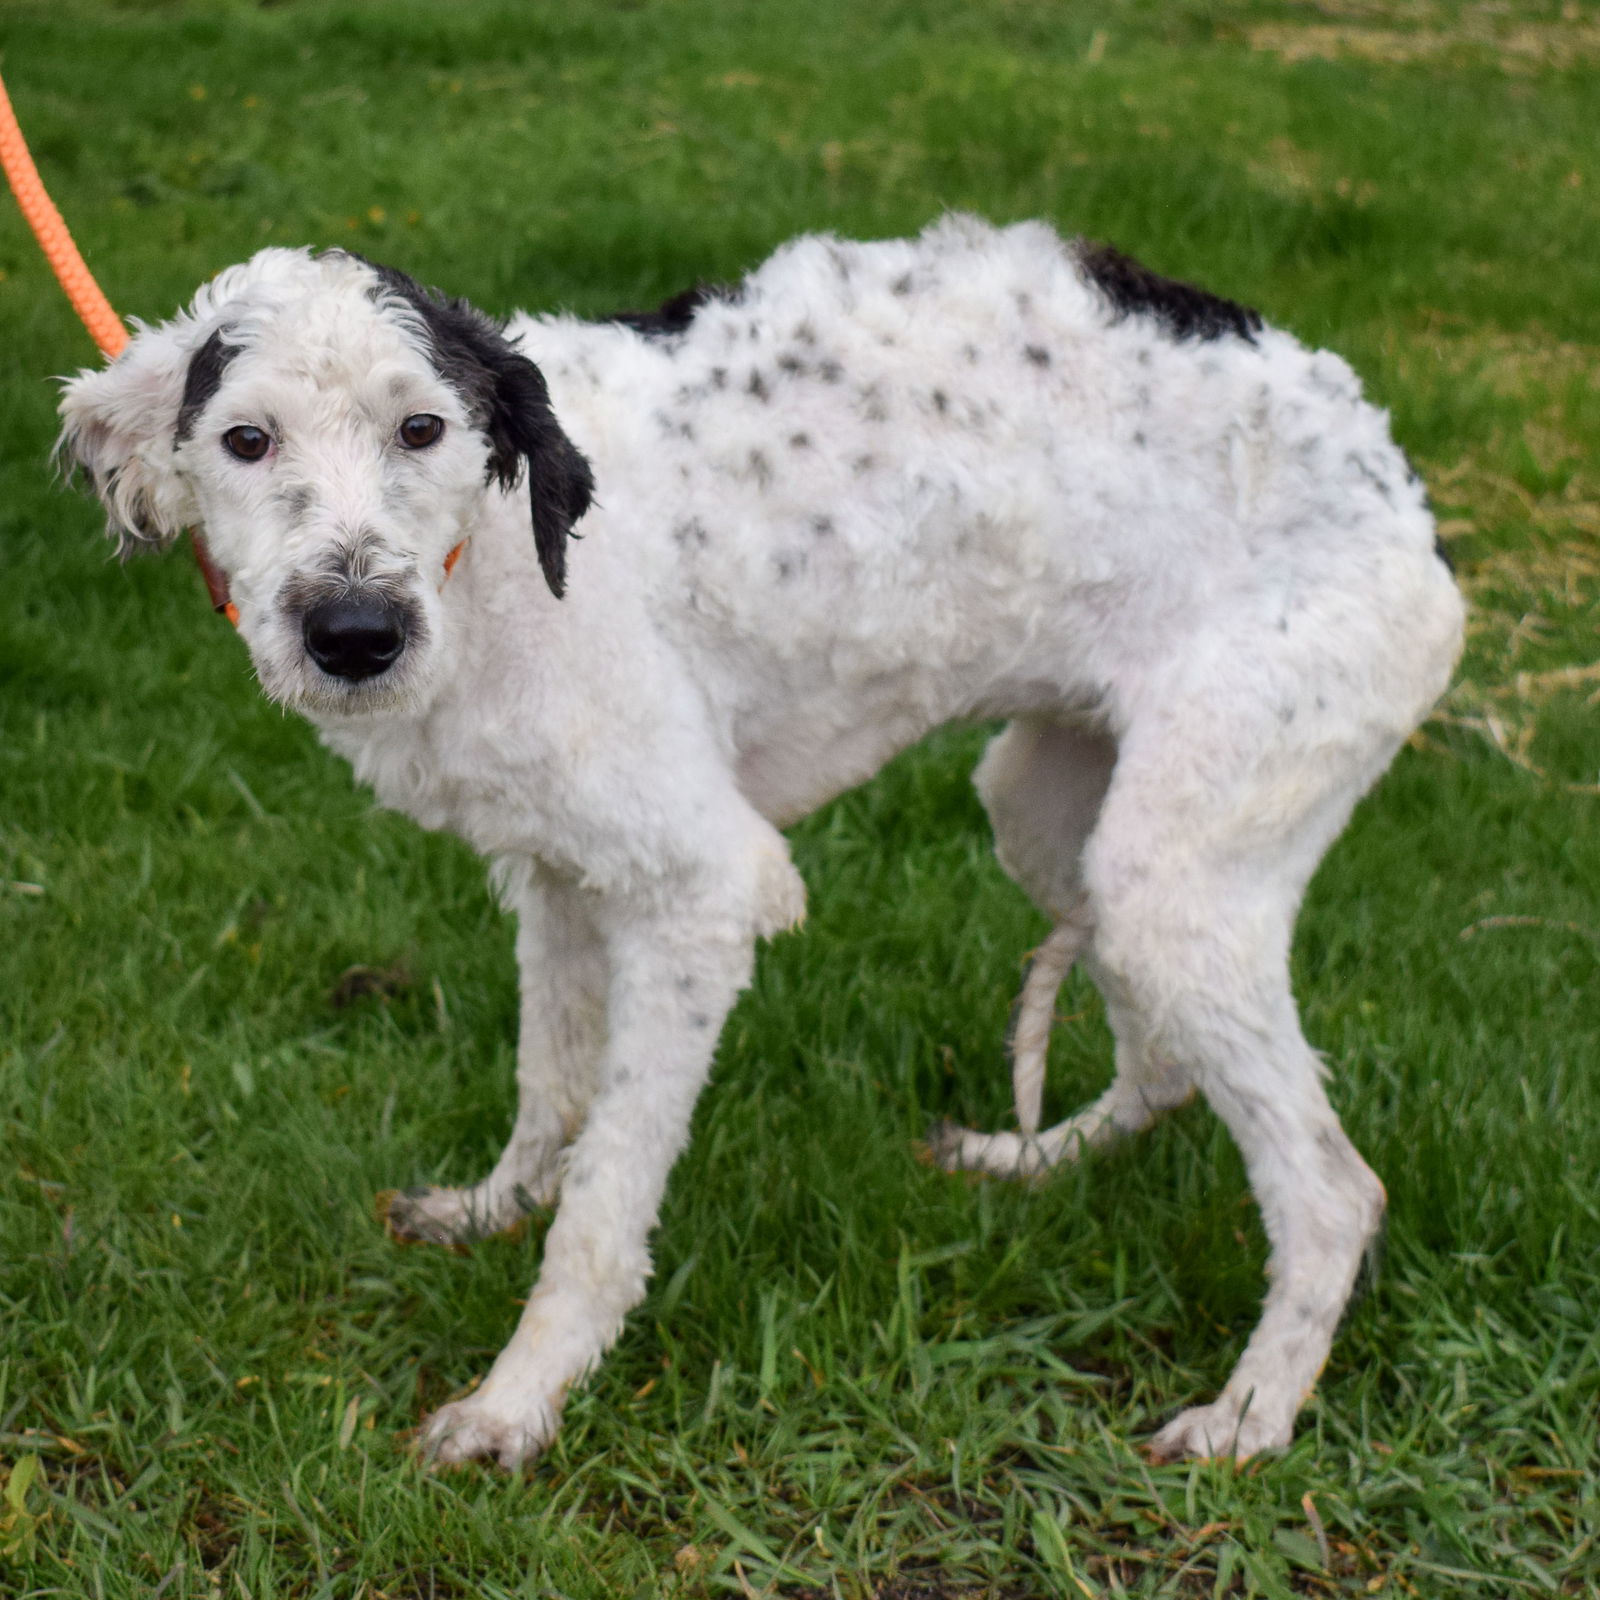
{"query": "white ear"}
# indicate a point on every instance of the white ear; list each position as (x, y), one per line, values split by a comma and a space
(119, 424)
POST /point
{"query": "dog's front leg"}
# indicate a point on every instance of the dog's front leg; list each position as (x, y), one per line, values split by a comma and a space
(561, 963)
(674, 976)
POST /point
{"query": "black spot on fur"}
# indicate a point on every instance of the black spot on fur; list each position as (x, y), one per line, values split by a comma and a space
(902, 284)
(673, 316)
(296, 501)
(1375, 478)
(1184, 311)
(863, 464)
(1443, 554)
(757, 387)
(759, 468)
(822, 526)
(691, 531)
(1037, 354)
(791, 363)
(941, 401)
(830, 371)
(799, 441)
(507, 398)
(201, 381)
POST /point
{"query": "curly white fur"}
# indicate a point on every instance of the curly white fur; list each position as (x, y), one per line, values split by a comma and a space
(879, 487)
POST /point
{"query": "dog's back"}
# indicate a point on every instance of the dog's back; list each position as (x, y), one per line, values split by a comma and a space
(981, 471)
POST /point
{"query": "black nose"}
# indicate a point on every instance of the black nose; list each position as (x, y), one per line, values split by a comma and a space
(354, 637)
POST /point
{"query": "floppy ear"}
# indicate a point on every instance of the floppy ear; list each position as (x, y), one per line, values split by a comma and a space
(119, 424)
(522, 427)
(507, 397)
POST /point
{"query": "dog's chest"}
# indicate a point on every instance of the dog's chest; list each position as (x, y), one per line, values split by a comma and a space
(451, 772)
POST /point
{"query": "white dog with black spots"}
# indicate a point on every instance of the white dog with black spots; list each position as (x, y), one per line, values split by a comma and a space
(982, 473)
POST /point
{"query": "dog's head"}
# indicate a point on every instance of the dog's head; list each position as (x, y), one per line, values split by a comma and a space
(333, 428)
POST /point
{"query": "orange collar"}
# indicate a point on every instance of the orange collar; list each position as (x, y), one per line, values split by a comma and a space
(217, 584)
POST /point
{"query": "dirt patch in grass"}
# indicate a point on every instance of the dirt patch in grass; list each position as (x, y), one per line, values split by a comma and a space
(1521, 516)
(1406, 35)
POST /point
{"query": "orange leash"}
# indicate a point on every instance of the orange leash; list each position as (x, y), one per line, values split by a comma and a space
(104, 325)
(72, 273)
(94, 310)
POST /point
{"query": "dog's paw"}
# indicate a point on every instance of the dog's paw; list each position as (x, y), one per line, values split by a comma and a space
(955, 1149)
(427, 1216)
(942, 1147)
(1218, 1433)
(481, 1428)
(451, 1217)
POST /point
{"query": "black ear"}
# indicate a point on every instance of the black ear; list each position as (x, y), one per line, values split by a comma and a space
(521, 426)
(507, 398)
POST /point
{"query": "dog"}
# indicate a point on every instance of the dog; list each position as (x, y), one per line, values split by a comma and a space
(780, 531)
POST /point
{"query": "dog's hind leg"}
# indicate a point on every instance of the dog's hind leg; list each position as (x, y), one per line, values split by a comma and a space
(1219, 812)
(1043, 785)
(561, 1033)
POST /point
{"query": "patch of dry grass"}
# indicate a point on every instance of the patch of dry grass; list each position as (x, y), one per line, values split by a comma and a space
(1521, 513)
(1494, 35)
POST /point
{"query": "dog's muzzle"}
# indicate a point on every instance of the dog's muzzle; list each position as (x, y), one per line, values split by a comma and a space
(354, 636)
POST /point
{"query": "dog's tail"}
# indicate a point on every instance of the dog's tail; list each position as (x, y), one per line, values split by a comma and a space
(1034, 1014)
(1024, 1154)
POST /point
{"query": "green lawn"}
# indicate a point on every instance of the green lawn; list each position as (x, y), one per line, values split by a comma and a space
(852, 1376)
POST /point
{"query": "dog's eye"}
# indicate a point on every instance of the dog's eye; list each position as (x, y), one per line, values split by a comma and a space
(247, 443)
(418, 432)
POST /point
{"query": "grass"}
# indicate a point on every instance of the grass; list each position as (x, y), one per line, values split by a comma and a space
(852, 1377)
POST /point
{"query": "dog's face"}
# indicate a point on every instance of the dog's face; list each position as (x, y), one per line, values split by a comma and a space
(333, 429)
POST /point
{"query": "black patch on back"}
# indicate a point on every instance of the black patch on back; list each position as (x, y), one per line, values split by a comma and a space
(201, 381)
(673, 316)
(1183, 310)
(506, 397)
